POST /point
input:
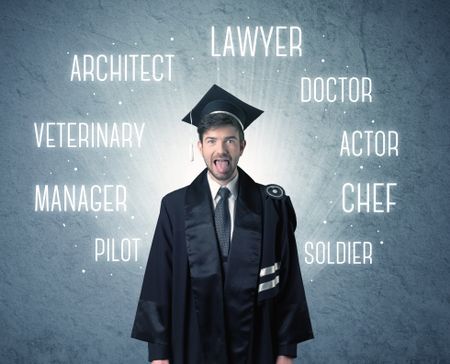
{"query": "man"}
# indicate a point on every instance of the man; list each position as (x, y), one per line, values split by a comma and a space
(223, 283)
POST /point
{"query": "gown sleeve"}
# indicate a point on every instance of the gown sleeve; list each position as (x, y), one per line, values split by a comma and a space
(152, 321)
(293, 321)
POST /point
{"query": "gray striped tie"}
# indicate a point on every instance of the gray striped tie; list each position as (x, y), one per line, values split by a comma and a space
(222, 221)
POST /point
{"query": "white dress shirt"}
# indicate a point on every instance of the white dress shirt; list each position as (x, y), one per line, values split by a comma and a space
(233, 187)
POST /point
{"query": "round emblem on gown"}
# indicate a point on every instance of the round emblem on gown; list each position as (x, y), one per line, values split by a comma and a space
(275, 191)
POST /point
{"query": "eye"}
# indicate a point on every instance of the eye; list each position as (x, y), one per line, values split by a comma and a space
(210, 141)
(231, 141)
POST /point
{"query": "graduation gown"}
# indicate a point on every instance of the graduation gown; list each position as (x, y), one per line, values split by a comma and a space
(191, 312)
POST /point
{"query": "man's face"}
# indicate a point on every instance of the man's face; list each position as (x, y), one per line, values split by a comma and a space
(221, 150)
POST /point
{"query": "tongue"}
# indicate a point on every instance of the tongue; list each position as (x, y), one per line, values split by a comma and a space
(222, 166)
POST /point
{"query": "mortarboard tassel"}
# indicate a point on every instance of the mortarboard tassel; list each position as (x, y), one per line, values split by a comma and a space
(191, 152)
(191, 149)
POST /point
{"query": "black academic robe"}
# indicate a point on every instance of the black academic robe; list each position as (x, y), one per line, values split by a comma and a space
(190, 312)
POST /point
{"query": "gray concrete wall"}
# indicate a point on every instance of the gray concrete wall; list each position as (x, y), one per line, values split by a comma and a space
(59, 305)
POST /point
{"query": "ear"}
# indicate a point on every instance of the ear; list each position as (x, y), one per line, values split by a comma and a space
(242, 144)
(200, 146)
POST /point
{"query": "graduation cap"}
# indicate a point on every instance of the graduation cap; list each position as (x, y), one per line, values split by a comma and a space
(217, 100)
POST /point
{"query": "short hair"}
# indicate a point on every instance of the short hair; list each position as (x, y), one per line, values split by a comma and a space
(216, 120)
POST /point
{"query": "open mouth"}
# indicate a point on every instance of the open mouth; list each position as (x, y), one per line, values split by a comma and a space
(222, 165)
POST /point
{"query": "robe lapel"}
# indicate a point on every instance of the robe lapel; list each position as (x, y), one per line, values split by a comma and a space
(205, 269)
(243, 268)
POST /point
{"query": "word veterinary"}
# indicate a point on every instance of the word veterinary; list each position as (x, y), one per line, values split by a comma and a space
(88, 135)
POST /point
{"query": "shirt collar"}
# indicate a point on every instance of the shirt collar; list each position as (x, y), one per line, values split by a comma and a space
(214, 186)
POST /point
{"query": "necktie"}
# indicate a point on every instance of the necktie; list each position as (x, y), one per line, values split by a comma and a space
(222, 221)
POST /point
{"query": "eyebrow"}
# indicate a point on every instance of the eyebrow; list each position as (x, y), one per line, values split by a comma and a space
(226, 138)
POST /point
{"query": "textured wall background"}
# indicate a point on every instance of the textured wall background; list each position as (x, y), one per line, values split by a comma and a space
(58, 305)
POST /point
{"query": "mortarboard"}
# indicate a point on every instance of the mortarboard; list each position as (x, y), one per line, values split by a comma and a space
(217, 100)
